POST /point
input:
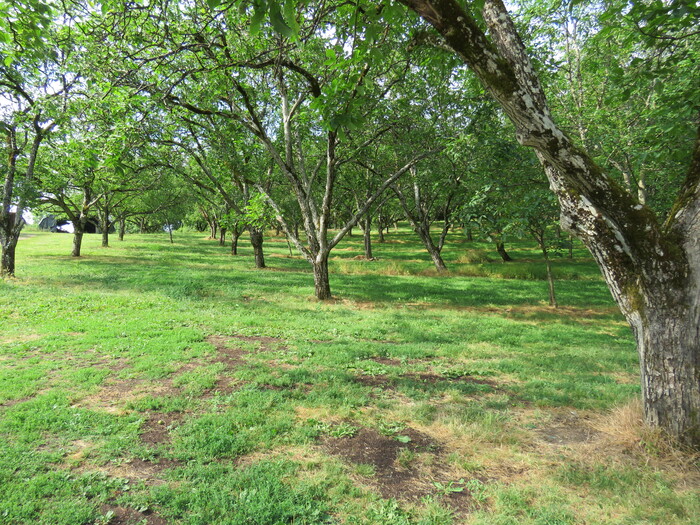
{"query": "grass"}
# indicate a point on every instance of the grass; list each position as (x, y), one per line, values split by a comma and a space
(156, 382)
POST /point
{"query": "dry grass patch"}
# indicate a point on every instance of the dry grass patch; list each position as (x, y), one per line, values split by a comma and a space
(115, 394)
(625, 436)
(19, 338)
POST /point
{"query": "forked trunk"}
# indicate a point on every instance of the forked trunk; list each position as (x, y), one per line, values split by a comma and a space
(322, 286)
(432, 250)
(256, 239)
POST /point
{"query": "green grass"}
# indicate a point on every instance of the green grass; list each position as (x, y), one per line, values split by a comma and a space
(178, 381)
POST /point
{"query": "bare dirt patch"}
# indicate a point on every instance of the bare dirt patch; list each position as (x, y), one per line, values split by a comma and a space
(258, 339)
(393, 478)
(13, 402)
(389, 361)
(158, 426)
(375, 381)
(567, 429)
(116, 393)
(432, 378)
(386, 383)
(119, 515)
(231, 357)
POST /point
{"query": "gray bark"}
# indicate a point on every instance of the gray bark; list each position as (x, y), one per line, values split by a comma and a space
(322, 287)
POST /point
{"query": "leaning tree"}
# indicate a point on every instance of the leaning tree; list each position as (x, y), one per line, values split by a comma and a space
(651, 267)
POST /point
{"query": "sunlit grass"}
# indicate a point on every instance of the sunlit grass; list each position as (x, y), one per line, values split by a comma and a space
(98, 353)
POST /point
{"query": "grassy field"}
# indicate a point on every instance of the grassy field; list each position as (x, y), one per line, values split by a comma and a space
(157, 383)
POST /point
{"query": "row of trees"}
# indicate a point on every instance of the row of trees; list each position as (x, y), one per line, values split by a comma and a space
(329, 109)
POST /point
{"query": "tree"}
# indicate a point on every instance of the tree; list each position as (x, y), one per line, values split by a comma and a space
(304, 104)
(652, 268)
(34, 84)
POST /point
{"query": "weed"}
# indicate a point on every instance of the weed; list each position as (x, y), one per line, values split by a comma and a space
(406, 457)
(450, 487)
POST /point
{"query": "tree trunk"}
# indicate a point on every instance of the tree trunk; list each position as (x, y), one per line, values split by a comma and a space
(222, 237)
(367, 234)
(432, 249)
(7, 257)
(550, 275)
(501, 249)
(105, 224)
(122, 229)
(380, 231)
(669, 346)
(322, 286)
(9, 236)
(468, 233)
(235, 234)
(77, 241)
(256, 239)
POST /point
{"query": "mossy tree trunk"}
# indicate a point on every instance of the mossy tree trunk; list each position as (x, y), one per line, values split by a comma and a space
(651, 269)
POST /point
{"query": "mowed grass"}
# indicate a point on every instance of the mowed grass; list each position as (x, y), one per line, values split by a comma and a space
(155, 383)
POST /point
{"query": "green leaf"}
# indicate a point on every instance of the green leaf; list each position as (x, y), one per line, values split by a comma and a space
(256, 20)
(278, 22)
(403, 439)
(332, 58)
(213, 3)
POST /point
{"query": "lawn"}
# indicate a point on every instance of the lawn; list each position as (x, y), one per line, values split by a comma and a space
(152, 382)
